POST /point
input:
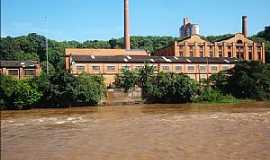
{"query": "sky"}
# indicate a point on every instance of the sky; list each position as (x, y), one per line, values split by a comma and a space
(103, 19)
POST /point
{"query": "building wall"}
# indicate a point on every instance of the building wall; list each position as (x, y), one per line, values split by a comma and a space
(110, 70)
(20, 72)
(237, 46)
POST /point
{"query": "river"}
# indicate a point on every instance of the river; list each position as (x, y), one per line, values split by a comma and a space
(139, 132)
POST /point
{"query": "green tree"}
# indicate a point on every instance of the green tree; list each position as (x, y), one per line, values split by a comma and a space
(127, 79)
(89, 90)
(60, 91)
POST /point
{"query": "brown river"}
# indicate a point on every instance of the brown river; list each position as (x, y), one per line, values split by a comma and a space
(139, 132)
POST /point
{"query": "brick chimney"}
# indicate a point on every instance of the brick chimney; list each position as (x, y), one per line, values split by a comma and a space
(126, 26)
(245, 26)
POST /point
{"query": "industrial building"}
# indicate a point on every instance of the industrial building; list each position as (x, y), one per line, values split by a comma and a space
(192, 55)
(20, 69)
(236, 46)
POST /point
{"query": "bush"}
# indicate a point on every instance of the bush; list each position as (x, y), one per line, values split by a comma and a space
(89, 90)
(213, 96)
(247, 80)
(126, 80)
(170, 88)
(18, 93)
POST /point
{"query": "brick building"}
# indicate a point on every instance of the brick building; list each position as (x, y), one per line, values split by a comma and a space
(236, 46)
(20, 69)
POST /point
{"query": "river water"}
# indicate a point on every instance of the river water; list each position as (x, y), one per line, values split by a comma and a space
(139, 132)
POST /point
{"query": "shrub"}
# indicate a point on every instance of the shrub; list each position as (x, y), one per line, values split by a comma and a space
(170, 88)
(89, 90)
(127, 79)
(18, 93)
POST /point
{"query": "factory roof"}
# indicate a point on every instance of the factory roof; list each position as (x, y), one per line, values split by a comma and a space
(153, 59)
(16, 64)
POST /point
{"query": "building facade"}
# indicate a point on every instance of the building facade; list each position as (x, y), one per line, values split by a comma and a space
(109, 67)
(20, 69)
(236, 46)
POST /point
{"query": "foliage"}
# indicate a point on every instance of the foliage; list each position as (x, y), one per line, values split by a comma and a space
(18, 93)
(170, 88)
(246, 80)
(60, 90)
(127, 79)
(210, 95)
(89, 90)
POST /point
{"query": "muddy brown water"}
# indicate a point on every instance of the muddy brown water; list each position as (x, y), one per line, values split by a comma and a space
(139, 132)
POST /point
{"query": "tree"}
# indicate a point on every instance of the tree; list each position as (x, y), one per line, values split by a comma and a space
(60, 91)
(18, 93)
(127, 79)
(89, 90)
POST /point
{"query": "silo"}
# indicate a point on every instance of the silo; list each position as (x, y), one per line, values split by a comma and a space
(195, 29)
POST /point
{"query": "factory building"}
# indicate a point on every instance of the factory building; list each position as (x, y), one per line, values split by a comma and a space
(192, 55)
(237, 46)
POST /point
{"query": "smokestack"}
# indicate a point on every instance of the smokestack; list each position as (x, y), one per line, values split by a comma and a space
(244, 26)
(126, 23)
(185, 21)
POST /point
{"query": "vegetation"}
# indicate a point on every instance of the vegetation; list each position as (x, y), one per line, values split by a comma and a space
(18, 93)
(247, 80)
(57, 90)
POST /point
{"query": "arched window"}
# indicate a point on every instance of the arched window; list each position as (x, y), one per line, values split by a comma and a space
(239, 42)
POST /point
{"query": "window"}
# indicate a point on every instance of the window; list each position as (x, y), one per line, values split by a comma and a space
(220, 47)
(139, 67)
(259, 55)
(214, 68)
(111, 68)
(201, 54)
(229, 47)
(220, 54)
(229, 54)
(80, 69)
(239, 42)
(191, 54)
(225, 68)
(29, 72)
(211, 54)
(201, 47)
(165, 68)
(250, 55)
(178, 68)
(237, 54)
(203, 68)
(13, 72)
(203, 76)
(96, 68)
(181, 54)
(250, 48)
(191, 68)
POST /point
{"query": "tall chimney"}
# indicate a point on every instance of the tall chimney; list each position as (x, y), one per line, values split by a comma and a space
(126, 30)
(244, 26)
(185, 21)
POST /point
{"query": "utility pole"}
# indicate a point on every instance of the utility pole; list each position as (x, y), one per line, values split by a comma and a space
(47, 50)
(47, 56)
